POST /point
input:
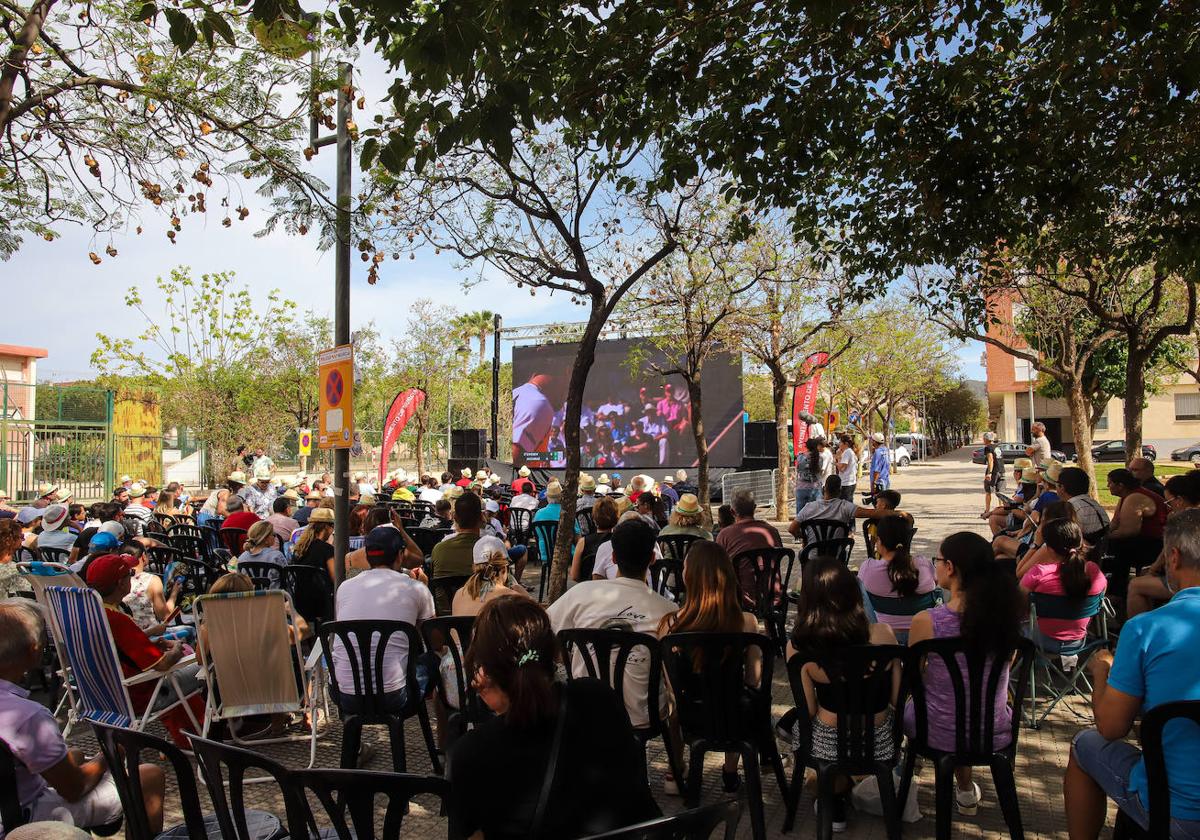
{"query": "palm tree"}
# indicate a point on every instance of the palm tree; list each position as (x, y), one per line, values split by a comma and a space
(477, 326)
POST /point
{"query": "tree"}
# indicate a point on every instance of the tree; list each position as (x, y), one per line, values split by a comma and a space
(103, 116)
(953, 415)
(688, 308)
(206, 348)
(547, 210)
(786, 317)
(476, 326)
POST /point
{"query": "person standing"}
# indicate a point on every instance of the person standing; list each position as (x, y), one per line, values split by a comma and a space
(260, 495)
(1039, 449)
(993, 471)
(847, 466)
(808, 474)
(881, 467)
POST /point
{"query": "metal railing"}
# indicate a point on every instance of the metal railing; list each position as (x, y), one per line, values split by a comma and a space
(760, 482)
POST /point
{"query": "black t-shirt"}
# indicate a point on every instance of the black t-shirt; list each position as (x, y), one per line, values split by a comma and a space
(496, 772)
(314, 600)
(84, 539)
(997, 467)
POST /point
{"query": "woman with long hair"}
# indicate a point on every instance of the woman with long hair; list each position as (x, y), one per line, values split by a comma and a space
(315, 549)
(983, 608)
(1033, 551)
(712, 606)
(11, 538)
(166, 503)
(1151, 588)
(490, 578)
(831, 616)
(498, 770)
(808, 474)
(1065, 571)
(895, 572)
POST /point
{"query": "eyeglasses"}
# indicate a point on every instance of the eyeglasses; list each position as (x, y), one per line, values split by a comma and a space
(937, 558)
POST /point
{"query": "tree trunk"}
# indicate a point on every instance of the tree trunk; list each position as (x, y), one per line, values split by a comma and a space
(564, 544)
(694, 395)
(1135, 395)
(1081, 429)
(483, 337)
(779, 385)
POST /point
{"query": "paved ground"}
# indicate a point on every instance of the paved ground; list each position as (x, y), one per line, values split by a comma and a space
(942, 495)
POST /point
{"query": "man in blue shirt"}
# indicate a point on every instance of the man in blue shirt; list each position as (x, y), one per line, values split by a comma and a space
(881, 468)
(1157, 661)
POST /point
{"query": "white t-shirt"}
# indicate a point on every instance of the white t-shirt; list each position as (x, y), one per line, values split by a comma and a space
(386, 594)
(1041, 451)
(826, 463)
(605, 566)
(524, 501)
(848, 468)
(532, 416)
(839, 509)
(430, 495)
(619, 604)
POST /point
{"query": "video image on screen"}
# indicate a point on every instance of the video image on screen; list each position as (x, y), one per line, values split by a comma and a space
(629, 419)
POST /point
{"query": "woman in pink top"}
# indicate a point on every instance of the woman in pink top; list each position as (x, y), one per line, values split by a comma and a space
(896, 573)
(1070, 574)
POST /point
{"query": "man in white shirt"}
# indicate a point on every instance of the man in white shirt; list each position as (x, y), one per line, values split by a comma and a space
(533, 414)
(825, 457)
(847, 466)
(524, 500)
(430, 492)
(624, 603)
(386, 593)
(1039, 449)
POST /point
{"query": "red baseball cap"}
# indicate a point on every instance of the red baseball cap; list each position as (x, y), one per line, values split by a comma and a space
(107, 570)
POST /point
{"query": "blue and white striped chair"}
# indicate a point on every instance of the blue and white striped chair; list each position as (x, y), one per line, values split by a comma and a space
(40, 575)
(101, 689)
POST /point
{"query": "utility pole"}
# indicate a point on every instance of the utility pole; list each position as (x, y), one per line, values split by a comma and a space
(493, 445)
(341, 295)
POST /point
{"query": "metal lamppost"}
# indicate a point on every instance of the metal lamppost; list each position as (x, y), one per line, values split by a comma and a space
(460, 353)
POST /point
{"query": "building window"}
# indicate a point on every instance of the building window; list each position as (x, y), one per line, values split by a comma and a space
(1187, 406)
(1102, 423)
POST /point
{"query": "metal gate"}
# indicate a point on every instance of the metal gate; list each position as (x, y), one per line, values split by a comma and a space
(759, 482)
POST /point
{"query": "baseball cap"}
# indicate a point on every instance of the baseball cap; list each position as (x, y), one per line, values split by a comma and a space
(384, 543)
(107, 570)
(29, 514)
(486, 548)
(877, 437)
(103, 541)
(492, 506)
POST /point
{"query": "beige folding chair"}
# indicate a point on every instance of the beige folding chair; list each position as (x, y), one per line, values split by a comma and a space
(40, 575)
(250, 648)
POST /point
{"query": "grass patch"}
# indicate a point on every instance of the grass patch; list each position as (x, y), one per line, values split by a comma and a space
(1161, 471)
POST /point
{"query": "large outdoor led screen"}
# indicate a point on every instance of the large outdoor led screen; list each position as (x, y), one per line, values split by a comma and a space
(631, 418)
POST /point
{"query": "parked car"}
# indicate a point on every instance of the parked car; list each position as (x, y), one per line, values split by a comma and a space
(1187, 453)
(900, 456)
(1011, 452)
(916, 444)
(1114, 450)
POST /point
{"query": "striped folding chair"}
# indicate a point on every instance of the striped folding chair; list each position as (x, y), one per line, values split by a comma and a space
(101, 690)
(40, 575)
(250, 647)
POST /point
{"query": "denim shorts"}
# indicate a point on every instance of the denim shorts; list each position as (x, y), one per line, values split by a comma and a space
(1110, 764)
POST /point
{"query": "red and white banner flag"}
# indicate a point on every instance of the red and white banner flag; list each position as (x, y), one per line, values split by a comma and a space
(403, 408)
(804, 399)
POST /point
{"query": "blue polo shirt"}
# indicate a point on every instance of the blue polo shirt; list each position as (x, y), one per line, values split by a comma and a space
(880, 465)
(1158, 660)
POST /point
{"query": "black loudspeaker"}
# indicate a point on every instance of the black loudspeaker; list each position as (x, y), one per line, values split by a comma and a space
(759, 463)
(468, 443)
(760, 440)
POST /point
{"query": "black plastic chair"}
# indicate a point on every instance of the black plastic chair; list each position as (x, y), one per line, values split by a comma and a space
(583, 521)
(262, 574)
(427, 538)
(1159, 806)
(976, 679)
(224, 768)
(696, 824)
(55, 555)
(164, 519)
(860, 686)
(544, 535)
(832, 548)
(159, 557)
(718, 711)
(605, 656)
(767, 600)
(520, 524)
(824, 530)
(366, 668)
(123, 750)
(12, 815)
(348, 800)
(190, 545)
(311, 591)
(674, 548)
(444, 589)
(232, 539)
(455, 633)
(907, 606)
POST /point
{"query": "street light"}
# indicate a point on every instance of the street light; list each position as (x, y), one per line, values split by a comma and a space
(462, 352)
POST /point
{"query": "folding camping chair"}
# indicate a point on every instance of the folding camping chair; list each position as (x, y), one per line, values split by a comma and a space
(250, 648)
(40, 575)
(1059, 680)
(101, 691)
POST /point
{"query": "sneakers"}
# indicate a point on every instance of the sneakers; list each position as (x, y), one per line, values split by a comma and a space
(968, 800)
(839, 812)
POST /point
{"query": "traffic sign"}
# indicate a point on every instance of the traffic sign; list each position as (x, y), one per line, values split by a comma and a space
(335, 373)
(305, 437)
